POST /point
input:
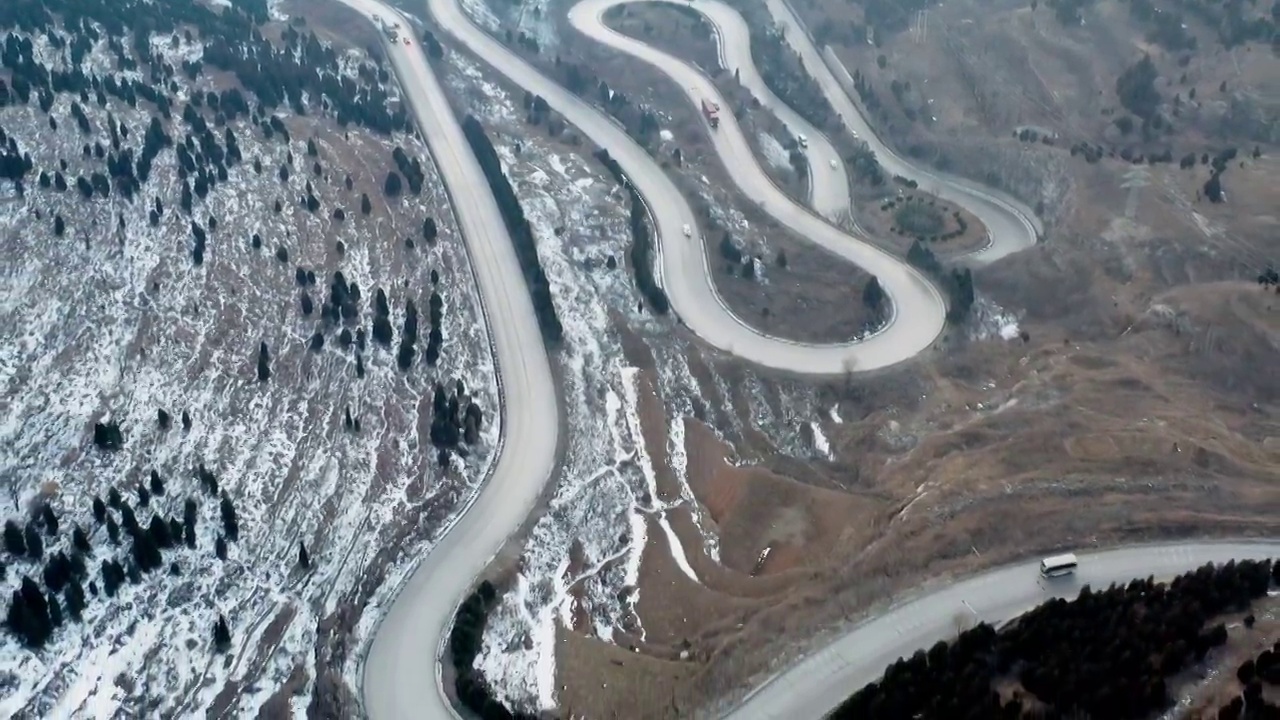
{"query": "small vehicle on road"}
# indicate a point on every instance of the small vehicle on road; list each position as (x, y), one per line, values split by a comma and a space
(406, 41)
(1058, 565)
(802, 141)
(688, 231)
(834, 164)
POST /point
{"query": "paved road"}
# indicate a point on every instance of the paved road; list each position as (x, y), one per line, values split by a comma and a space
(829, 186)
(920, 309)
(684, 265)
(400, 673)
(816, 685)
(1011, 225)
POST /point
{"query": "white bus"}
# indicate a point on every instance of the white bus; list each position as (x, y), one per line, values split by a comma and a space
(1058, 565)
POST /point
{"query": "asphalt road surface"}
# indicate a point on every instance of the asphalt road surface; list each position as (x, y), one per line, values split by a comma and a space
(816, 685)
(401, 677)
(1011, 226)
(828, 186)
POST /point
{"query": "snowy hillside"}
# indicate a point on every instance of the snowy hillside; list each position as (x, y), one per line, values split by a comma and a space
(116, 308)
(580, 563)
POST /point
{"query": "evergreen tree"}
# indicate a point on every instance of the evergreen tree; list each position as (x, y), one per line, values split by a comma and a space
(81, 540)
(55, 610)
(303, 558)
(220, 548)
(221, 635)
(157, 484)
(50, 520)
(189, 522)
(75, 601)
(113, 530)
(99, 510)
(110, 583)
(873, 295)
(128, 520)
(230, 524)
(14, 542)
(264, 362)
(35, 546)
(391, 188)
(158, 530)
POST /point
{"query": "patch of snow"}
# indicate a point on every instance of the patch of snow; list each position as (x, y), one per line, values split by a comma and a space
(101, 338)
(774, 153)
(988, 320)
(481, 14)
(820, 442)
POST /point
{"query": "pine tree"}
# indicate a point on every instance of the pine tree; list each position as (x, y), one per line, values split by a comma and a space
(113, 530)
(46, 514)
(128, 519)
(35, 546)
(81, 540)
(158, 530)
(144, 495)
(14, 542)
(220, 548)
(157, 484)
(55, 610)
(303, 558)
(109, 581)
(186, 421)
(264, 362)
(189, 522)
(230, 524)
(113, 498)
(145, 553)
(99, 510)
(221, 635)
(75, 599)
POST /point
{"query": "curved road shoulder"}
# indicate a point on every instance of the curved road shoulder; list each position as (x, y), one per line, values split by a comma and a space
(1011, 225)
(409, 638)
(402, 658)
(819, 682)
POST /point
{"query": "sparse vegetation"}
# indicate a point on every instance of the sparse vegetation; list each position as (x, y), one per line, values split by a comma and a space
(1106, 654)
(519, 229)
(126, 127)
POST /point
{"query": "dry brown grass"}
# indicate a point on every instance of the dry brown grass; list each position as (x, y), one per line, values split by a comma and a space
(994, 452)
(987, 71)
(815, 298)
(1142, 408)
(684, 34)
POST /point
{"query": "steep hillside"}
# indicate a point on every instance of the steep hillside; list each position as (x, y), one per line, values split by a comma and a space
(245, 368)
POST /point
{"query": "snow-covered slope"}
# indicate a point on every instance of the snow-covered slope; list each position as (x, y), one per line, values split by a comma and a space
(112, 320)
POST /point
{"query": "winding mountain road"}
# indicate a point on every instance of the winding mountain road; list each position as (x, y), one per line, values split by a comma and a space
(1011, 226)
(401, 672)
(828, 186)
(684, 265)
(401, 676)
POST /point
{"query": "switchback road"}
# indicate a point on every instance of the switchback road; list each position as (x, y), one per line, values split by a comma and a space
(401, 677)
